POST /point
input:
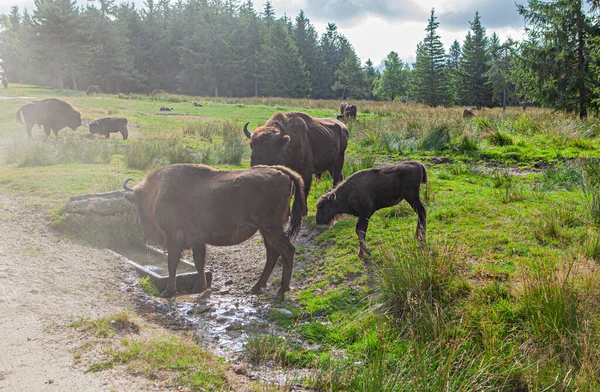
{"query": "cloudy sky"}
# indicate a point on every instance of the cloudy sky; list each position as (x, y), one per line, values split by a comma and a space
(376, 27)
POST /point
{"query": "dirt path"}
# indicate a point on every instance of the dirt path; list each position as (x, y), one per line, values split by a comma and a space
(45, 281)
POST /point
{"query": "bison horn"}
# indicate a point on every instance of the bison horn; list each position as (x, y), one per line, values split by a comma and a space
(127, 187)
(280, 127)
(246, 132)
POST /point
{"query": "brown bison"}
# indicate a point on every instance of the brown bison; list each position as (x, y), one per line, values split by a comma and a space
(50, 113)
(107, 125)
(165, 109)
(369, 190)
(91, 90)
(5, 82)
(347, 112)
(188, 206)
(198, 105)
(468, 112)
(301, 142)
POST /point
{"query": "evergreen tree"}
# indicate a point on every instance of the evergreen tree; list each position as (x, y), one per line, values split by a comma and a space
(371, 74)
(453, 65)
(287, 75)
(554, 66)
(430, 83)
(474, 65)
(306, 39)
(393, 82)
(350, 78)
(499, 72)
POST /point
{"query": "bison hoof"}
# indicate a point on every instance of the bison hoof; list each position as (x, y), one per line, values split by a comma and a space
(167, 293)
(199, 288)
(281, 294)
(256, 289)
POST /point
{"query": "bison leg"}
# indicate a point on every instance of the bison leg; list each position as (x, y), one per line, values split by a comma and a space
(419, 207)
(282, 245)
(361, 230)
(47, 131)
(107, 135)
(124, 133)
(272, 257)
(199, 259)
(174, 249)
(55, 132)
(336, 172)
(28, 127)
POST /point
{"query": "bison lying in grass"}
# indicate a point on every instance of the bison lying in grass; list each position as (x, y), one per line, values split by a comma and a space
(50, 113)
(188, 206)
(367, 191)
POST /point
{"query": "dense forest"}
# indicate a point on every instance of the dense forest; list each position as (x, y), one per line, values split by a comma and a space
(229, 48)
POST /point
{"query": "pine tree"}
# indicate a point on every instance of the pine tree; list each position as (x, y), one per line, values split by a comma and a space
(305, 37)
(474, 65)
(554, 66)
(287, 75)
(430, 83)
(453, 65)
(350, 78)
(393, 82)
(371, 74)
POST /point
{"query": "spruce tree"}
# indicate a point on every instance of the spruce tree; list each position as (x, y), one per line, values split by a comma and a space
(473, 66)
(430, 83)
(554, 66)
(453, 64)
(393, 82)
(371, 74)
(306, 39)
(350, 78)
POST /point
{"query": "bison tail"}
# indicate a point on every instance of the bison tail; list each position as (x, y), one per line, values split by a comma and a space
(19, 115)
(299, 208)
(424, 179)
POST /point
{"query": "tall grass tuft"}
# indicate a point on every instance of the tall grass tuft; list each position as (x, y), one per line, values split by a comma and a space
(436, 139)
(233, 148)
(498, 138)
(63, 150)
(591, 189)
(567, 175)
(143, 155)
(354, 164)
(417, 285)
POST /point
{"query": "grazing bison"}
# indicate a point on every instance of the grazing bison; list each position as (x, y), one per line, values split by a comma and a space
(107, 125)
(165, 109)
(188, 206)
(468, 112)
(50, 113)
(91, 90)
(301, 142)
(5, 82)
(367, 191)
(197, 104)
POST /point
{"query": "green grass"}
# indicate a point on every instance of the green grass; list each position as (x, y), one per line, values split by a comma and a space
(503, 297)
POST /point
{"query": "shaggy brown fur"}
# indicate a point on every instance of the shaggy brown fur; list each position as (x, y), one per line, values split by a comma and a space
(91, 90)
(50, 113)
(468, 112)
(306, 144)
(107, 125)
(188, 206)
(367, 191)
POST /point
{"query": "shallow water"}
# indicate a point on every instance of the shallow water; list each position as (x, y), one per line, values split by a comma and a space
(153, 259)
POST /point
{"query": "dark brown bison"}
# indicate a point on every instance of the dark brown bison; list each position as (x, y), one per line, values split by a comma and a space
(91, 90)
(301, 142)
(199, 105)
(369, 190)
(50, 113)
(188, 206)
(468, 112)
(165, 109)
(107, 125)
(347, 112)
(5, 82)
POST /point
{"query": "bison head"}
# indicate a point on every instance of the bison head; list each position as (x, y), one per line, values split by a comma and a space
(94, 127)
(267, 144)
(75, 120)
(326, 208)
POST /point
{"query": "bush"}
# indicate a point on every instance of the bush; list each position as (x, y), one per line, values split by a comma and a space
(498, 138)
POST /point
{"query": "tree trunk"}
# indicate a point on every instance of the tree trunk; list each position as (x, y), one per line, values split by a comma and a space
(74, 82)
(256, 87)
(216, 91)
(581, 62)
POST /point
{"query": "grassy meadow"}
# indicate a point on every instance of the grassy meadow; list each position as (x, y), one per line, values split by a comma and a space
(504, 296)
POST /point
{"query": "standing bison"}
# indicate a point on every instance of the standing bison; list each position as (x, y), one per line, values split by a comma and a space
(91, 90)
(188, 206)
(107, 125)
(301, 142)
(50, 113)
(5, 82)
(367, 191)
(347, 112)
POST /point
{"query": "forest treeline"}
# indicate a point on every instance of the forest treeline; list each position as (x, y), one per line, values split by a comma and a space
(229, 48)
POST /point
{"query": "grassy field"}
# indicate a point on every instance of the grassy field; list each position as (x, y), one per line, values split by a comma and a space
(504, 296)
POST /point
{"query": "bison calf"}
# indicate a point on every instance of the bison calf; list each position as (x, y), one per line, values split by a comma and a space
(107, 125)
(188, 206)
(367, 191)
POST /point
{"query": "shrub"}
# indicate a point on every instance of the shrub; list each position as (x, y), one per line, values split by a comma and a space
(484, 125)
(526, 125)
(498, 138)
